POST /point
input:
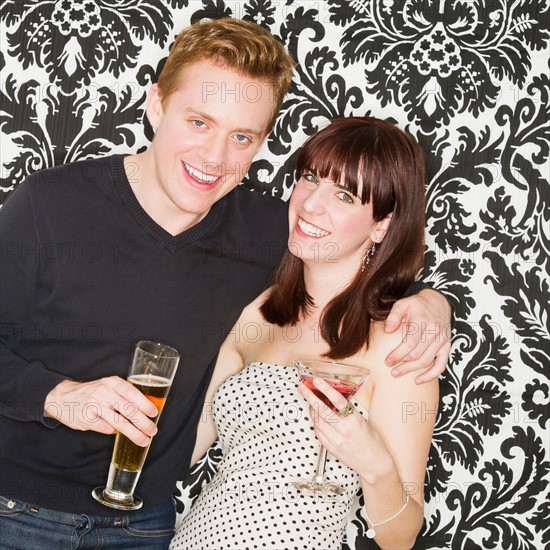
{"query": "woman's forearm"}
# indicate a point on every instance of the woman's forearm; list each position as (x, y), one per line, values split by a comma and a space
(394, 518)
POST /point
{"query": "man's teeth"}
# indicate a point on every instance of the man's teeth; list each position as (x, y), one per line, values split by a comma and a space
(311, 230)
(200, 175)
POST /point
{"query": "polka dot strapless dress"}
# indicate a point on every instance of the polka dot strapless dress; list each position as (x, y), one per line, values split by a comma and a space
(268, 442)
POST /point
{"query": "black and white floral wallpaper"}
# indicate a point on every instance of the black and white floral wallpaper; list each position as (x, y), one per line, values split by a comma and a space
(470, 79)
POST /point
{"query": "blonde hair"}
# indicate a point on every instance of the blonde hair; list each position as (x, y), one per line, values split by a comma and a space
(242, 46)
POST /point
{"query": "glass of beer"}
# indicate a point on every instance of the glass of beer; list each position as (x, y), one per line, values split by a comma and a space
(152, 371)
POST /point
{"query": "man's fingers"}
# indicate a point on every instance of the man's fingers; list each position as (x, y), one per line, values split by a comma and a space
(108, 418)
(416, 340)
(439, 366)
(131, 394)
(106, 405)
(129, 412)
(395, 317)
(103, 427)
(109, 421)
(421, 360)
(131, 432)
(409, 342)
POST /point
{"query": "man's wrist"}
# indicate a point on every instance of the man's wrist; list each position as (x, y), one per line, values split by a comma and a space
(417, 287)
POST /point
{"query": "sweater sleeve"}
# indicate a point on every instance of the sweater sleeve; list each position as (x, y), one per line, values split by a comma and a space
(415, 288)
(24, 384)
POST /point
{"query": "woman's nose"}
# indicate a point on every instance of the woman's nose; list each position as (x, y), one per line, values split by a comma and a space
(315, 202)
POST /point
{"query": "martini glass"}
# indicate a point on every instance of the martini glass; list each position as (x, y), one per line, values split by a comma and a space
(345, 379)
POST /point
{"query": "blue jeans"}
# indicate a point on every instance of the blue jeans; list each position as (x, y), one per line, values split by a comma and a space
(27, 527)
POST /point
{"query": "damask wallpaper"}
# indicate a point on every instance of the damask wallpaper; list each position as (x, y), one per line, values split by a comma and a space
(470, 79)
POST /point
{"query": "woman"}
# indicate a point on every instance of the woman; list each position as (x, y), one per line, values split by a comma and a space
(356, 220)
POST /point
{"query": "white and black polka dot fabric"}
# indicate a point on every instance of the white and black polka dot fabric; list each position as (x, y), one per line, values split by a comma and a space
(268, 441)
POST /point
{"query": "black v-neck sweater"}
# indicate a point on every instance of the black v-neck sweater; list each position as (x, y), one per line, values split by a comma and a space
(85, 274)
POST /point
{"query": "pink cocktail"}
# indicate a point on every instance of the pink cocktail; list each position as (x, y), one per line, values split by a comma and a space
(345, 379)
(346, 389)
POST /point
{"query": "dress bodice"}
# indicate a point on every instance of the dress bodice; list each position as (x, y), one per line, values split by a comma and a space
(268, 442)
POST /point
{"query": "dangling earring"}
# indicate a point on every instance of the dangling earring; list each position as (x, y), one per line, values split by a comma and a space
(368, 257)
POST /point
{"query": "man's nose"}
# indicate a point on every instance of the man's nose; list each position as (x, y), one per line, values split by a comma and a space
(213, 153)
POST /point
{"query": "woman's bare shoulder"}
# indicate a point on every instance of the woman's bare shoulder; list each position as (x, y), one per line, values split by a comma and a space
(381, 343)
(251, 312)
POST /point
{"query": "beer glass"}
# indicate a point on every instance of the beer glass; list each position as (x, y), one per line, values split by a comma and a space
(152, 371)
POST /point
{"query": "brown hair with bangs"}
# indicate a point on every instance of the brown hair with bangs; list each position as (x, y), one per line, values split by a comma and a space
(242, 46)
(378, 162)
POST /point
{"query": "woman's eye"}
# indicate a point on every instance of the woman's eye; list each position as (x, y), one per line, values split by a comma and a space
(311, 178)
(345, 197)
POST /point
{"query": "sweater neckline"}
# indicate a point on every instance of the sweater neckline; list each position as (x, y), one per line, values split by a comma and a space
(172, 243)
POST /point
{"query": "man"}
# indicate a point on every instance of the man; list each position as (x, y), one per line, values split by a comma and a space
(99, 254)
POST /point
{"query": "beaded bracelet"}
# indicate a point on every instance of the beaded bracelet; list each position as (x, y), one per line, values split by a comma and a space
(371, 533)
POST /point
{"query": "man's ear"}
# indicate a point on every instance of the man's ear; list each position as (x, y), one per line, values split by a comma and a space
(381, 228)
(154, 106)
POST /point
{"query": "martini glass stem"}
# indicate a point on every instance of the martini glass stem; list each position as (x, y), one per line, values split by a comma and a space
(321, 465)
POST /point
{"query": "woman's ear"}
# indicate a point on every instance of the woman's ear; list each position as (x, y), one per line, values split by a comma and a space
(154, 106)
(380, 229)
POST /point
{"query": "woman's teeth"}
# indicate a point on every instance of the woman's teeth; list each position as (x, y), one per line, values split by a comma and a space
(311, 230)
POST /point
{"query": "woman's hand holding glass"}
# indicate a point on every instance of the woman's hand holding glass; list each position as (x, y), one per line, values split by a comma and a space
(350, 439)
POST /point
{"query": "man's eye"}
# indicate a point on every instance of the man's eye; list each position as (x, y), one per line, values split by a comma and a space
(198, 123)
(242, 138)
